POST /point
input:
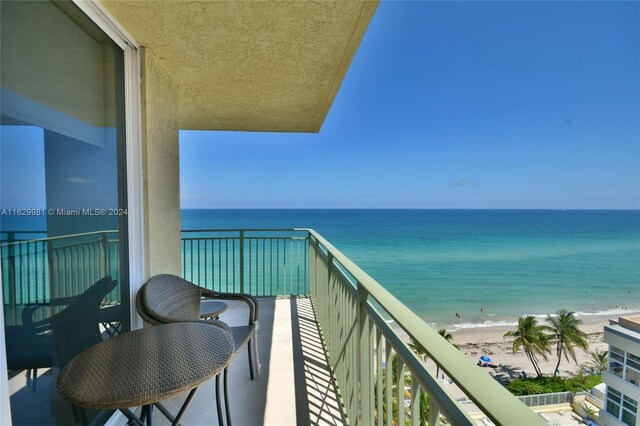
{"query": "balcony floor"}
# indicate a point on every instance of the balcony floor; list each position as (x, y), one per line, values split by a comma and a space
(294, 386)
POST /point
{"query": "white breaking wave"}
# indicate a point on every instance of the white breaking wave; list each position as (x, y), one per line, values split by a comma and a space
(620, 310)
(485, 324)
(613, 311)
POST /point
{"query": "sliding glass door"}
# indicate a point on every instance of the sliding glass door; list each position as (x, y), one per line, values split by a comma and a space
(63, 210)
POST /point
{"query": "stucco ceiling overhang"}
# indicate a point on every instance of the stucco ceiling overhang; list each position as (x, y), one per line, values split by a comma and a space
(250, 65)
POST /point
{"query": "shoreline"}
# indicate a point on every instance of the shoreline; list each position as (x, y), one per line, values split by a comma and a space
(490, 341)
(587, 318)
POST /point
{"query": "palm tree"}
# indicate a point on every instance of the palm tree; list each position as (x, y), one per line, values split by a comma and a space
(599, 360)
(448, 337)
(419, 350)
(422, 352)
(533, 340)
(589, 411)
(565, 329)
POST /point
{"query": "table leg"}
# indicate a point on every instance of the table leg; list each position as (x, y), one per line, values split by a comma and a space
(132, 417)
(218, 402)
(226, 396)
(184, 407)
(149, 414)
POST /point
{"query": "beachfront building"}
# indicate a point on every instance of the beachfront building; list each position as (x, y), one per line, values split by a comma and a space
(93, 96)
(623, 375)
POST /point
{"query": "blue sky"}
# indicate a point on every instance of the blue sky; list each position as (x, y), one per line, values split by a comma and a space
(454, 105)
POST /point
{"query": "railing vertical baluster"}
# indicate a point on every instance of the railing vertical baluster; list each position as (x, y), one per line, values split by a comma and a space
(400, 388)
(233, 241)
(11, 255)
(96, 263)
(36, 272)
(28, 265)
(278, 266)
(271, 267)
(226, 263)
(184, 258)
(60, 284)
(298, 266)
(219, 264)
(206, 266)
(364, 353)
(198, 242)
(241, 261)
(264, 291)
(434, 412)
(291, 267)
(191, 260)
(52, 277)
(379, 370)
(75, 270)
(67, 285)
(388, 367)
(83, 272)
(257, 279)
(103, 242)
(250, 265)
(415, 402)
(19, 276)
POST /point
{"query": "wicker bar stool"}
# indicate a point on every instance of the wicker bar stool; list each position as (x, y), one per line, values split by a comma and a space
(167, 298)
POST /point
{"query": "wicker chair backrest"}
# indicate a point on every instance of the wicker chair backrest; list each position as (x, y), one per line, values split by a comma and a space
(169, 298)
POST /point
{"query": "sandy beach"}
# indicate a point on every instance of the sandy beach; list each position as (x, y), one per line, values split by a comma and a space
(489, 341)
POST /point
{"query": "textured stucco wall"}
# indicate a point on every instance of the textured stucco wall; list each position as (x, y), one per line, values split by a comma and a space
(161, 174)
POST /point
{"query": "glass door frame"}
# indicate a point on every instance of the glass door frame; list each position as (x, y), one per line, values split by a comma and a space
(134, 190)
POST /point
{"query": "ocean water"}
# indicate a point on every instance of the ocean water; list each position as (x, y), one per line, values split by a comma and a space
(488, 266)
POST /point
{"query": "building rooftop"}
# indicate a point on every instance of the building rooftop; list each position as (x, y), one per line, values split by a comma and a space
(631, 322)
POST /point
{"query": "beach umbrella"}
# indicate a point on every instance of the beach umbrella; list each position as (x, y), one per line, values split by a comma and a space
(485, 358)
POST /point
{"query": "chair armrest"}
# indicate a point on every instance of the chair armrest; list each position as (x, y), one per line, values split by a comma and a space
(30, 309)
(247, 298)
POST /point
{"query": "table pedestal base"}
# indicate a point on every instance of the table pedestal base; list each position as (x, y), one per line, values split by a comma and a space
(147, 412)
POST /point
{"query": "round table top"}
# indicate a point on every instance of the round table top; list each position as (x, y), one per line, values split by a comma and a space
(146, 366)
(212, 308)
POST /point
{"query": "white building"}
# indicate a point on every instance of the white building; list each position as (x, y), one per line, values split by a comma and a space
(623, 375)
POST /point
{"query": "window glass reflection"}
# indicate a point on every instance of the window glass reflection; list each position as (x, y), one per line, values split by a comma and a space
(62, 198)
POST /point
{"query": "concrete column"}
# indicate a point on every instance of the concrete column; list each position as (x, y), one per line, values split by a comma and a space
(161, 167)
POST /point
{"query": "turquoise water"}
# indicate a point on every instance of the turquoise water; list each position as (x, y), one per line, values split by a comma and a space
(505, 262)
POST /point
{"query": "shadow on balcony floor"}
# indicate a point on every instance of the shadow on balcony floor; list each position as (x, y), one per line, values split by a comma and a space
(294, 387)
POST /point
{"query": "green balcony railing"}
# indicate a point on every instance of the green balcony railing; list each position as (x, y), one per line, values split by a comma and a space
(381, 380)
(262, 262)
(36, 268)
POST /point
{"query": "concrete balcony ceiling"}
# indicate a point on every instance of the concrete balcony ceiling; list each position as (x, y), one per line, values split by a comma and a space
(255, 66)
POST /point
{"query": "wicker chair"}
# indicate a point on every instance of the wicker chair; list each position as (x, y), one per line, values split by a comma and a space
(167, 298)
(56, 339)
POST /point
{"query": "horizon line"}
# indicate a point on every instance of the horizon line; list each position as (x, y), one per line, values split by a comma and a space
(410, 208)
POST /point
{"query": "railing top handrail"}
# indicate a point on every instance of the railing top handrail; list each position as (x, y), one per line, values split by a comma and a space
(60, 237)
(248, 230)
(22, 232)
(491, 397)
